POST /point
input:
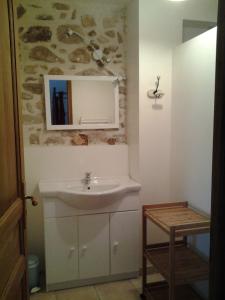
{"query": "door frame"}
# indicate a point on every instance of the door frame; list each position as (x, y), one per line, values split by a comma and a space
(217, 245)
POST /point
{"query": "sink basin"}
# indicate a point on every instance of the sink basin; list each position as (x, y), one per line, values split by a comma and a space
(93, 189)
(100, 191)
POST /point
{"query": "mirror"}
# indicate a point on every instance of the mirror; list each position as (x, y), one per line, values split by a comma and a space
(81, 102)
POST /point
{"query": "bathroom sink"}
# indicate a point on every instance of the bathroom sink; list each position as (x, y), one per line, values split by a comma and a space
(99, 192)
(93, 189)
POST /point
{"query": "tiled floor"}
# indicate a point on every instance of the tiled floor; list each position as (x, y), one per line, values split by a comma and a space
(120, 290)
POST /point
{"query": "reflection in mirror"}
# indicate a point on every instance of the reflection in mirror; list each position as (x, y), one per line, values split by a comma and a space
(93, 102)
(61, 102)
(76, 102)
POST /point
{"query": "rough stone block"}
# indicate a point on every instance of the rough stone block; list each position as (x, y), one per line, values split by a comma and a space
(44, 54)
(80, 55)
(37, 34)
(55, 71)
(80, 139)
(64, 37)
(60, 6)
(74, 14)
(20, 11)
(34, 139)
(34, 88)
(88, 21)
(45, 17)
(110, 33)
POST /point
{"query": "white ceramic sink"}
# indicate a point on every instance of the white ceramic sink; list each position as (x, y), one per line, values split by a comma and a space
(93, 189)
(100, 191)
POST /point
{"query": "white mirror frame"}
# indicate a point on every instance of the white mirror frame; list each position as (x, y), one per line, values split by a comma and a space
(112, 79)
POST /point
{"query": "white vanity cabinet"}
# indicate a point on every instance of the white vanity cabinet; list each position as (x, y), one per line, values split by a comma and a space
(124, 242)
(61, 250)
(94, 246)
(89, 249)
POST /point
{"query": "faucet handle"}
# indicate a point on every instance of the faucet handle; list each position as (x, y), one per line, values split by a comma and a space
(88, 174)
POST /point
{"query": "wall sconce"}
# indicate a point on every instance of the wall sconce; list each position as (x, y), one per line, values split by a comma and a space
(97, 53)
(156, 93)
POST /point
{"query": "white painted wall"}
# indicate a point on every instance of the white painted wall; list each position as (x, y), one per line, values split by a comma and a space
(192, 127)
(192, 120)
(160, 31)
(132, 41)
(57, 162)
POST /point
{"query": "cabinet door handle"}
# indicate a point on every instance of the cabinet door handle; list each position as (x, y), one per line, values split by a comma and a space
(83, 250)
(116, 244)
(115, 247)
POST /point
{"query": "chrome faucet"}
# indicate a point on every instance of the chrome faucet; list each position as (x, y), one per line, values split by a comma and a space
(87, 178)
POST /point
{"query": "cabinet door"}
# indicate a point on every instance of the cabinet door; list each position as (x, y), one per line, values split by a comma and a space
(93, 246)
(61, 249)
(124, 242)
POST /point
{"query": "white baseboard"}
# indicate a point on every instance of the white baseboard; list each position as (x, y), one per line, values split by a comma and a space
(83, 282)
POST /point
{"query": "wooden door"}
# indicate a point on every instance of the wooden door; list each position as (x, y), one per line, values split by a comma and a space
(124, 242)
(12, 207)
(217, 252)
(93, 246)
(61, 250)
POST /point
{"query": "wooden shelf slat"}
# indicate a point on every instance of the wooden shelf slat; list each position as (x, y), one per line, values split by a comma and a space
(160, 292)
(183, 219)
(189, 266)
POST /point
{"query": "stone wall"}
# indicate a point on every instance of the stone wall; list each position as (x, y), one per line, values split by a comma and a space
(46, 49)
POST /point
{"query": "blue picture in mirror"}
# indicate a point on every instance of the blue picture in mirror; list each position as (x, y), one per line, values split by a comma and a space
(60, 97)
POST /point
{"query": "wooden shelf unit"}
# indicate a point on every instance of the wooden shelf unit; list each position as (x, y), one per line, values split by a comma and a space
(179, 264)
(160, 291)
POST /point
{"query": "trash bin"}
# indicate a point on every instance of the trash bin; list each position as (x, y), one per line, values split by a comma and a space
(33, 271)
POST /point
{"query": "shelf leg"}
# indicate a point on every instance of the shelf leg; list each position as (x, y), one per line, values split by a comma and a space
(172, 265)
(144, 244)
